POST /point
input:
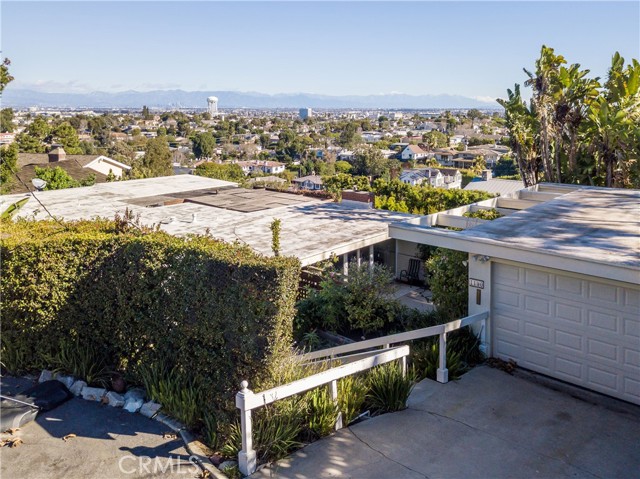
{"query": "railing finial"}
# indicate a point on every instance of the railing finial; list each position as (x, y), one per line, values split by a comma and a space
(244, 385)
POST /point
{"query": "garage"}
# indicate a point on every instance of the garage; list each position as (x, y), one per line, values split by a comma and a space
(572, 327)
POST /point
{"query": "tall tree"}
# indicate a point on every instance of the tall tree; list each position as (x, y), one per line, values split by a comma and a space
(8, 162)
(6, 120)
(614, 124)
(544, 84)
(522, 125)
(204, 145)
(5, 77)
(32, 139)
(67, 136)
(156, 160)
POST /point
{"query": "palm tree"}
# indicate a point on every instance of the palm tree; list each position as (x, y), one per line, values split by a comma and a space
(613, 120)
(545, 87)
(522, 125)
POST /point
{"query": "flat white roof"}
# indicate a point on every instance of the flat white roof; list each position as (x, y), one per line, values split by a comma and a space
(593, 231)
(311, 229)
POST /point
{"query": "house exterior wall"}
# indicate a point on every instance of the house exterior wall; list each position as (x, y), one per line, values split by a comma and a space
(102, 166)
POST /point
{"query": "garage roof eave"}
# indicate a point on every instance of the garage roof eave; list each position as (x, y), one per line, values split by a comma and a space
(612, 270)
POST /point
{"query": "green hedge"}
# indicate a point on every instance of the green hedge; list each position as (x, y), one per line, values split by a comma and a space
(213, 312)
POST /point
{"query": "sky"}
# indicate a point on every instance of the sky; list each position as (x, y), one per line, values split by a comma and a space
(475, 49)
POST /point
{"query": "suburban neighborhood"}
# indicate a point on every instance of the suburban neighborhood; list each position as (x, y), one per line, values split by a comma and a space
(260, 251)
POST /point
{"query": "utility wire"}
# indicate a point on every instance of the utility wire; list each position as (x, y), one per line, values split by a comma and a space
(37, 199)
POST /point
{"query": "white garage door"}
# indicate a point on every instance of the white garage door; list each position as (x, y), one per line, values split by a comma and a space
(569, 327)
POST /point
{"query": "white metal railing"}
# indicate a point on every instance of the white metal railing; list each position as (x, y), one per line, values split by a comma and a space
(363, 356)
(247, 400)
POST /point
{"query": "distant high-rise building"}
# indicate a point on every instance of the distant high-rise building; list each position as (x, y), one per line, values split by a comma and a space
(306, 113)
(212, 104)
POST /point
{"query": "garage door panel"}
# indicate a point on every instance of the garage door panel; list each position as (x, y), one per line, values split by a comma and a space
(631, 358)
(631, 387)
(573, 287)
(607, 380)
(573, 328)
(508, 298)
(538, 358)
(536, 305)
(632, 299)
(604, 293)
(603, 350)
(569, 369)
(604, 321)
(508, 275)
(536, 331)
(535, 278)
(571, 341)
(631, 327)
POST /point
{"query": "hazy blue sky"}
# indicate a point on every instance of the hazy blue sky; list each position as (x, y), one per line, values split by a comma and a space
(475, 49)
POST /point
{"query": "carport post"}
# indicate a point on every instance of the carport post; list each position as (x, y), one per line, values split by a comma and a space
(358, 258)
(345, 265)
(247, 456)
(371, 257)
(442, 374)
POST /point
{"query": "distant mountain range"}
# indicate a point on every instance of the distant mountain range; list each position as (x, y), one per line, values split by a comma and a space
(18, 98)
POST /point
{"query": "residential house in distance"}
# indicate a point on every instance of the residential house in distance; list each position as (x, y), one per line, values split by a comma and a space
(448, 178)
(466, 158)
(416, 176)
(445, 156)
(79, 167)
(346, 155)
(452, 178)
(413, 152)
(311, 182)
(266, 167)
(455, 140)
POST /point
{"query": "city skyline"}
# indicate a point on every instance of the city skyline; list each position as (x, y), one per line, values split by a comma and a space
(473, 49)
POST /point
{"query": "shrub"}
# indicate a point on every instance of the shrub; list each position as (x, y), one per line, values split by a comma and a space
(275, 434)
(448, 279)
(389, 389)
(362, 303)
(352, 391)
(212, 312)
(322, 413)
(491, 214)
(463, 352)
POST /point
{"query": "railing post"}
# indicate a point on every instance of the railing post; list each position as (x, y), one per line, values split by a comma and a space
(334, 396)
(442, 375)
(247, 456)
(403, 362)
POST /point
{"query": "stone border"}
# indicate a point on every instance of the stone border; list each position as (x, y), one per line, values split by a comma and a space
(134, 401)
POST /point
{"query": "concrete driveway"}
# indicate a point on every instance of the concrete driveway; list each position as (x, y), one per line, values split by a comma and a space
(488, 424)
(110, 443)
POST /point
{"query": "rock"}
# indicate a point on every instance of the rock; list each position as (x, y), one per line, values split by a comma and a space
(228, 465)
(93, 394)
(135, 393)
(115, 399)
(77, 387)
(150, 409)
(66, 380)
(45, 375)
(132, 404)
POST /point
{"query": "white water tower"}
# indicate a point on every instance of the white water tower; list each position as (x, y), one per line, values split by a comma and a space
(212, 104)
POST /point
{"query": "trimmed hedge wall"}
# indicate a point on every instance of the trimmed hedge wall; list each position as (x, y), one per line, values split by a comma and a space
(216, 312)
